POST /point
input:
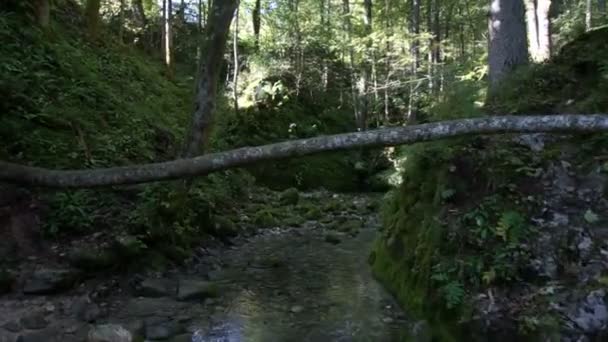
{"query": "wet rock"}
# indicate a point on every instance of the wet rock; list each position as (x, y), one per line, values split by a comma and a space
(196, 289)
(296, 309)
(109, 333)
(50, 281)
(184, 338)
(290, 196)
(92, 260)
(13, 326)
(592, 313)
(47, 335)
(34, 321)
(155, 288)
(332, 238)
(159, 329)
(144, 307)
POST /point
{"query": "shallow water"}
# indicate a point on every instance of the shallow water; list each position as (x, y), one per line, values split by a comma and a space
(294, 286)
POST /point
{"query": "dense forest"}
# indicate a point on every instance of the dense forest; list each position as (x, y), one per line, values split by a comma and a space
(303, 170)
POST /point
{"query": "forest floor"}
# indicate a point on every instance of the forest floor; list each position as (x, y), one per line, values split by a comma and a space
(306, 280)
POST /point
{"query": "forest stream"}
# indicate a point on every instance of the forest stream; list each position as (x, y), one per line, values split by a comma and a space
(303, 283)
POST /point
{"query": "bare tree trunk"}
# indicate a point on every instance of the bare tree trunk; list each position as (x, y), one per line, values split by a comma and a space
(168, 36)
(220, 17)
(588, 7)
(121, 29)
(414, 28)
(42, 13)
(257, 23)
(365, 72)
(351, 52)
(388, 62)
(235, 47)
(92, 17)
(507, 39)
(203, 165)
(140, 14)
(538, 29)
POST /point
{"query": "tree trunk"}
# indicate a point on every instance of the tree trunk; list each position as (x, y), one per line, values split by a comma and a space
(42, 13)
(235, 47)
(92, 17)
(139, 13)
(414, 29)
(203, 165)
(214, 45)
(539, 29)
(588, 13)
(363, 85)
(351, 52)
(121, 29)
(257, 23)
(601, 7)
(507, 39)
(168, 36)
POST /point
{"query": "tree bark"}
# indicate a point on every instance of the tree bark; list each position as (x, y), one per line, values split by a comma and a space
(203, 165)
(414, 29)
(346, 13)
(539, 29)
(235, 47)
(257, 23)
(42, 12)
(168, 36)
(121, 29)
(365, 67)
(92, 17)
(507, 39)
(588, 13)
(140, 13)
(214, 45)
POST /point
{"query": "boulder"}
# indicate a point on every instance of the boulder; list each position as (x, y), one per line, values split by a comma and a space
(109, 333)
(50, 281)
(196, 289)
(154, 288)
(289, 196)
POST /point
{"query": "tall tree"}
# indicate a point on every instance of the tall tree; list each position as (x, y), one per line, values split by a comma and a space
(414, 29)
(351, 54)
(92, 17)
(42, 13)
(588, 14)
(167, 36)
(257, 9)
(235, 48)
(121, 29)
(363, 84)
(507, 39)
(214, 45)
(539, 29)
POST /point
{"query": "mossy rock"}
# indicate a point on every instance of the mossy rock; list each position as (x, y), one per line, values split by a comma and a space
(313, 213)
(128, 247)
(224, 227)
(333, 238)
(91, 260)
(265, 218)
(290, 196)
(350, 226)
(294, 220)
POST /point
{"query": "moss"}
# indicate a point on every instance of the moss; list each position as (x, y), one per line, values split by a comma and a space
(289, 196)
(265, 218)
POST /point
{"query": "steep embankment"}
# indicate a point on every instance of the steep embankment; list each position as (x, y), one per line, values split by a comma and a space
(498, 237)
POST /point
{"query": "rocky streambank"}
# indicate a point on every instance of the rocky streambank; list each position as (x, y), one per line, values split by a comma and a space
(300, 274)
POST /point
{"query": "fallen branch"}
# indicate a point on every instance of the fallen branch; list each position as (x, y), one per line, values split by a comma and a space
(203, 165)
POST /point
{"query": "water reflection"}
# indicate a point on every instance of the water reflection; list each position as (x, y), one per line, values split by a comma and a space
(294, 286)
